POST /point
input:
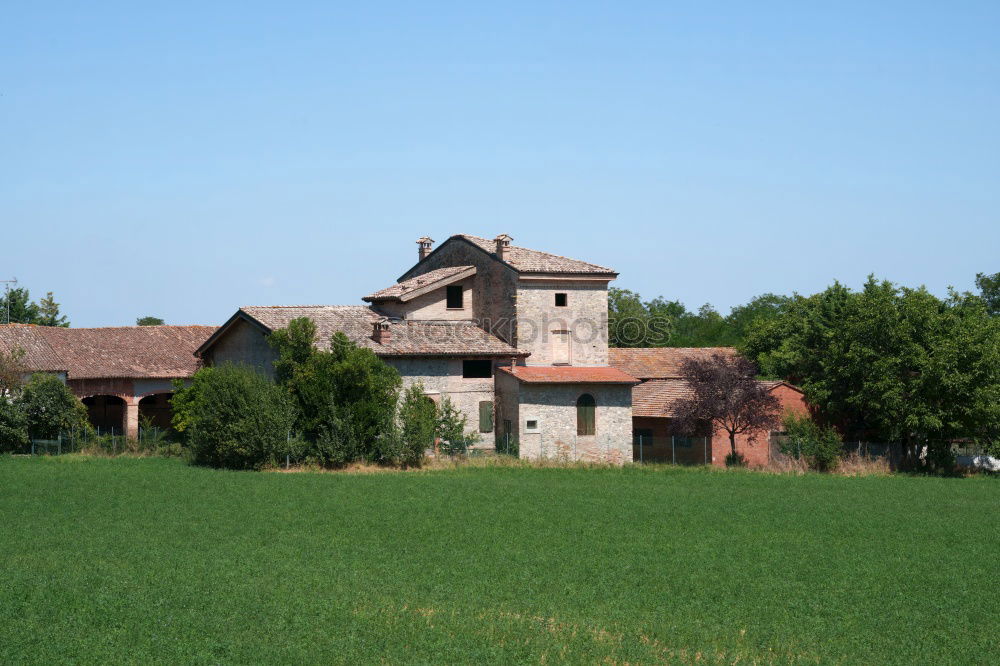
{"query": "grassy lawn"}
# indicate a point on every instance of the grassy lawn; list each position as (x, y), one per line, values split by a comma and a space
(152, 560)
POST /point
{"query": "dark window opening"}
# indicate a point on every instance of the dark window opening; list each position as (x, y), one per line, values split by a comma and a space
(585, 407)
(454, 297)
(560, 300)
(531, 425)
(477, 369)
(485, 416)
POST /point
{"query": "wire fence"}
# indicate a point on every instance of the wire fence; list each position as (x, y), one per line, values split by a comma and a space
(110, 441)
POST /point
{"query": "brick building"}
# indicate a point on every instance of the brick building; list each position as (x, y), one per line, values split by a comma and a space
(515, 338)
(122, 374)
(653, 402)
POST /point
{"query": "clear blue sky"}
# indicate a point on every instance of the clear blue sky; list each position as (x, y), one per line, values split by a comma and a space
(187, 160)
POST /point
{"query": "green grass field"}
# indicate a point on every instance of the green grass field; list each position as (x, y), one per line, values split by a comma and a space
(131, 560)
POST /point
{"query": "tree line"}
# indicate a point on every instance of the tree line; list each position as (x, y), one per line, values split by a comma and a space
(885, 363)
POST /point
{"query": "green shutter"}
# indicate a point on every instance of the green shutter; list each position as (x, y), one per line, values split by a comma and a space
(585, 408)
(486, 416)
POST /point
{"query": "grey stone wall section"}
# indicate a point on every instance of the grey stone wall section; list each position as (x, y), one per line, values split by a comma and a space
(442, 377)
(585, 316)
(554, 407)
(433, 306)
(495, 285)
(245, 344)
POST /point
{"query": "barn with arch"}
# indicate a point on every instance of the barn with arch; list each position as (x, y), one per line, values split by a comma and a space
(124, 375)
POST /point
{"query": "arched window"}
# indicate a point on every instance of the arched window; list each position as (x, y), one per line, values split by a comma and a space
(585, 407)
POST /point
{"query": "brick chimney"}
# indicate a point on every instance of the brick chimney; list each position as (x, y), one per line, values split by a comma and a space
(424, 245)
(503, 245)
(381, 333)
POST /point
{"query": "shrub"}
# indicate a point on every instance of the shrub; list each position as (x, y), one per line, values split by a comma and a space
(345, 398)
(51, 408)
(13, 426)
(735, 459)
(418, 417)
(451, 429)
(819, 446)
(238, 419)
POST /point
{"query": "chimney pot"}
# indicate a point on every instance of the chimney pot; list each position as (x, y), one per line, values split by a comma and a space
(503, 245)
(380, 332)
(424, 245)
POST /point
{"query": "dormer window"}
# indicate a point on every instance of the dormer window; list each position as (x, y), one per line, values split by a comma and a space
(454, 297)
(560, 300)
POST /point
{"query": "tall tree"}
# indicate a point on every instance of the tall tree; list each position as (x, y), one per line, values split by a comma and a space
(725, 393)
(17, 304)
(12, 371)
(989, 289)
(48, 313)
(890, 363)
(149, 321)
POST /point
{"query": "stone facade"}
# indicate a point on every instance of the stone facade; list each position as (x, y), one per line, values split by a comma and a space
(243, 343)
(584, 317)
(432, 306)
(495, 286)
(551, 409)
(442, 378)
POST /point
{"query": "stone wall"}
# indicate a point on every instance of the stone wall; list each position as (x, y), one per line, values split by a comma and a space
(553, 407)
(585, 316)
(243, 343)
(442, 377)
(432, 306)
(495, 284)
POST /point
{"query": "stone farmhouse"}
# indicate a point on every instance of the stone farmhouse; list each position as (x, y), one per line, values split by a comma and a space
(515, 338)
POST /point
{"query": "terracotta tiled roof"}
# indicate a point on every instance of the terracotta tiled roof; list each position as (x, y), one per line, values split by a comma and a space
(659, 362)
(401, 289)
(127, 351)
(539, 374)
(407, 338)
(524, 260)
(658, 397)
(38, 354)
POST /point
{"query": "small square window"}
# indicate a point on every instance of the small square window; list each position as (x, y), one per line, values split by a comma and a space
(531, 425)
(453, 295)
(560, 300)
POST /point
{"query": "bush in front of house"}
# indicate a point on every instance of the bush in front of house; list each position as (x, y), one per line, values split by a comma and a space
(236, 418)
(345, 397)
(450, 429)
(50, 408)
(819, 446)
(418, 422)
(13, 426)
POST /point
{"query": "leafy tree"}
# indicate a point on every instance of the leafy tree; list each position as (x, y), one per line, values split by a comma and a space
(48, 313)
(450, 428)
(345, 393)
(819, 445)
(18, 303)
(418, 416)
(12, 371)
(13, 425)
(149, 321)
(725, 393)
(186, 399)
(24, 311)
(888, 362)
(237, 418)
(989, 289)
(51, 408)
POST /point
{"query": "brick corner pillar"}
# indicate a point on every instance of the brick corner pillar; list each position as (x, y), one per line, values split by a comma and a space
(132, 418)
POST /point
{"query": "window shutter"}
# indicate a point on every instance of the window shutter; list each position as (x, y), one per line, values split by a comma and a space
(485, 416)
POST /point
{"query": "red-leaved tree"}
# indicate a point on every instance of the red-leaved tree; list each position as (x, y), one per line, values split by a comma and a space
(725, 393)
